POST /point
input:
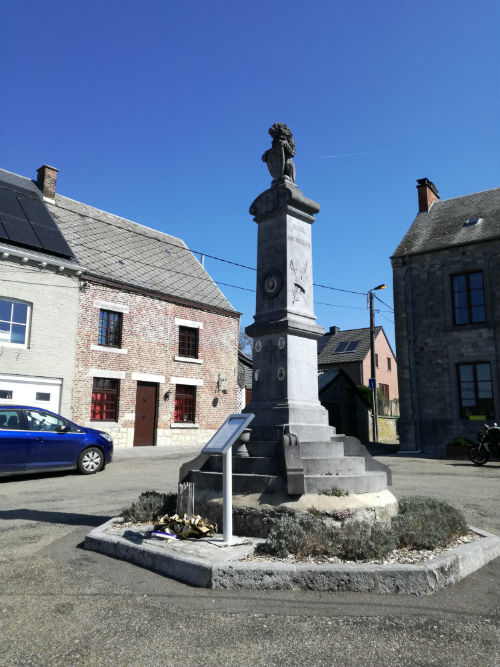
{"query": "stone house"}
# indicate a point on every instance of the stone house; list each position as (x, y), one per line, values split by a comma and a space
(447, 313)
(39, 293)
(349, 350)
(156, 341)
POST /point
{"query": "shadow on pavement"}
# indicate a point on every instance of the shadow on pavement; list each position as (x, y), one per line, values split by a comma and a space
(70, 518)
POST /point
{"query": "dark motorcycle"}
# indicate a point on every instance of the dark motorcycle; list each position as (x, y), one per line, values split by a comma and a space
(488, 444)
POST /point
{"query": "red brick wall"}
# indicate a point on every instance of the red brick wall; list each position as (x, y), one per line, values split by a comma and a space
(150, 336)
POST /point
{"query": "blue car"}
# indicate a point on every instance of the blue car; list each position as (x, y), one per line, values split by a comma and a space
(35, 440)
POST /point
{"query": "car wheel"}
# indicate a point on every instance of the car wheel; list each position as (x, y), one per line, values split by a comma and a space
(90, 461)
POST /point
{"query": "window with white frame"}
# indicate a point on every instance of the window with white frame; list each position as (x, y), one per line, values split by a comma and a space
(14, 322)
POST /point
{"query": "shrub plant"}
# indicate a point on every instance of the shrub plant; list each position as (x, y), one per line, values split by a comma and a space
(422, 523)
(150, 506)
(427, 523)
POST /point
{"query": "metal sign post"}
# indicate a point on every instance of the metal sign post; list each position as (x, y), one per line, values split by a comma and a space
(221, 443)
(227, 497)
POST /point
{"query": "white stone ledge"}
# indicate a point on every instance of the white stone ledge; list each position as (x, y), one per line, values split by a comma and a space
(184, 425)
(104, 373)
(188, 323)
(105, 348)
(148, 377)
(189, 360)
(196, 382)
(108, 305)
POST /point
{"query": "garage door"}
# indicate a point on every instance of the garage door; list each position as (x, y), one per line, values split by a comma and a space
(34, 391)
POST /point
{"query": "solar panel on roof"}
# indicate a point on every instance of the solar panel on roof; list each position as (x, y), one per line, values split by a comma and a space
(26, 221)
(19, 231)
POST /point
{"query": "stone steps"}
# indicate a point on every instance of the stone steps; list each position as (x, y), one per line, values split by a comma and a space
(263, 448)
(241, 483)
(366, 482)
(250, 465)
(333, 465)
(320, 450)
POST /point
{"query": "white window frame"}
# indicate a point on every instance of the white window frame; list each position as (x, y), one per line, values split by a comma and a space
(25, 345)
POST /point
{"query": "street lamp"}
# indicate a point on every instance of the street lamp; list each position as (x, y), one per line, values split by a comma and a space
(373, 379)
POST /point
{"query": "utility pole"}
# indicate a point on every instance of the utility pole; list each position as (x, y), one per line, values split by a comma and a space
(373, 378)
(373, 372)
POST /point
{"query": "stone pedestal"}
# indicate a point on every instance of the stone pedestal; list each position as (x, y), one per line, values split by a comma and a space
(285, 358)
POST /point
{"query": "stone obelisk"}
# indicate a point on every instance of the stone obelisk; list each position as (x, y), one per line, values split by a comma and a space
(285, 357)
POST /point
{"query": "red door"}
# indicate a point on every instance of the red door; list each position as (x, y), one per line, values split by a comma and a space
(145, 414)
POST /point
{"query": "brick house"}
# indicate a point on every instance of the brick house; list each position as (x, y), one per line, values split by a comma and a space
(447, 313)
(349, 350)
(156, 340)
(39, 293)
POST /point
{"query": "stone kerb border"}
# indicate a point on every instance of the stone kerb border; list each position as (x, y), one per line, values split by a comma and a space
(201, 563)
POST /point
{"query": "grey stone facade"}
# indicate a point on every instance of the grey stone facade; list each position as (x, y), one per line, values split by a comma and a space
(441, 243)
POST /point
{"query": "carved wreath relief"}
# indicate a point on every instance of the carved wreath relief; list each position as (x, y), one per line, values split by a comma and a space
(272, 284)
(299, 272)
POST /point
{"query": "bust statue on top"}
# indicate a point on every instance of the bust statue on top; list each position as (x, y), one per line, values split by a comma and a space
(279, 157)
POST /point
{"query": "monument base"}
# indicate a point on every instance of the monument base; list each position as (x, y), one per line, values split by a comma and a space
(253, 514)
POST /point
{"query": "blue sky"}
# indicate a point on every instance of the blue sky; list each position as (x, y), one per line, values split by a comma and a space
(159, 111)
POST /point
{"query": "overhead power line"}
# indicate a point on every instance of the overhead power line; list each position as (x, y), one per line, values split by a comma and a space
(199, 252)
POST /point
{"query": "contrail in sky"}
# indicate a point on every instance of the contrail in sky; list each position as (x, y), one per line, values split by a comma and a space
(324, 157)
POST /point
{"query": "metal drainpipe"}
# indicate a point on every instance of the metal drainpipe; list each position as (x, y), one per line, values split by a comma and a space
(413, 365)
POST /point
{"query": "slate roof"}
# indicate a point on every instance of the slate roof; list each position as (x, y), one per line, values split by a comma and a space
(125, 251)
(118, 249)
(443, 225)
(327, 355)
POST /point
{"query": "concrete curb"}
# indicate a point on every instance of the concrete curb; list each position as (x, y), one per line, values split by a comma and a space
(206, 564)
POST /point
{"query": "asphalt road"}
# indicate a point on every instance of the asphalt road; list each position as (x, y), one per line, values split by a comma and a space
(62, 605)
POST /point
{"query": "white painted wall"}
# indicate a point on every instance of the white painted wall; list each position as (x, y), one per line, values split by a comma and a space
(50, 353)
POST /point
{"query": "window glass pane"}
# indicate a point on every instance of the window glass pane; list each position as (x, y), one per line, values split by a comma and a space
(466, 372)
(352, 346)
(20, 313)
(18, 334)
(104, 405)
(483, 372)
(459, 284)
(484, 389)
(467, 393)
(341, 346)
(476, 280)
(477, 297)
(6, 393)
(460, 300)
(478, 314)
(5, 310)
(42, 396)
(39, 420)
(4, 332)
(10, 420)
(461, 315)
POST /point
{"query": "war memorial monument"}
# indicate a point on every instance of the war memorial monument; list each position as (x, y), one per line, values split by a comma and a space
(293, 458)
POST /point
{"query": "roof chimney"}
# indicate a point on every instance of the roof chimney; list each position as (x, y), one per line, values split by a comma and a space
(46, 180)
(334, 330)
(427, 194)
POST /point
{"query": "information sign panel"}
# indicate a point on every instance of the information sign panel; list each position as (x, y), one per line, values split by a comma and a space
(371, 383)
(228, 433)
